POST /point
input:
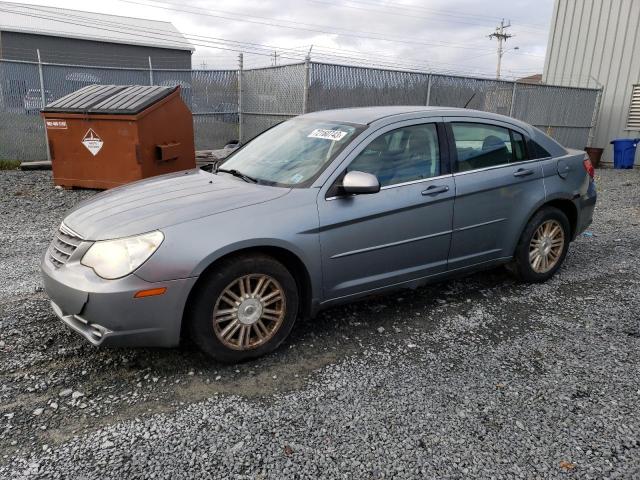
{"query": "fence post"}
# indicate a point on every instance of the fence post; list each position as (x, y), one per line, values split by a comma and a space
(150, 73)
(44, 102)
(240, 93)
(594, 117)
(428, 90)
(305, 92)
(513, 99)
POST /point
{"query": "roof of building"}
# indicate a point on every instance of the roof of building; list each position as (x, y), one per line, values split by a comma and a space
(62, 22)
(535, 78)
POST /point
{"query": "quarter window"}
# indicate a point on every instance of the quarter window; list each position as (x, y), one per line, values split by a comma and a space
(481, 146)
(536, 151)
(402, 155)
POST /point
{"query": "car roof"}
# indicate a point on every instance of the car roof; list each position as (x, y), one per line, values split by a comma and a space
(369, 115)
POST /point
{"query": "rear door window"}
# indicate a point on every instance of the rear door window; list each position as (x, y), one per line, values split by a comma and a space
(480, 145)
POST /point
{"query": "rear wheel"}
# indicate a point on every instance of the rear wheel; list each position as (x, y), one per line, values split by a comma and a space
(244, 308)
(542, 247)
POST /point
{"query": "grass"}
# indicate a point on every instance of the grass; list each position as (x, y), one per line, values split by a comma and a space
(9, 164)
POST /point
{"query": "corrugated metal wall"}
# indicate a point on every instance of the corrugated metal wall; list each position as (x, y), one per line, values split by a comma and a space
(596, 43)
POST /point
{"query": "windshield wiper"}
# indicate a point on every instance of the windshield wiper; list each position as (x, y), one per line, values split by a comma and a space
(238, 174)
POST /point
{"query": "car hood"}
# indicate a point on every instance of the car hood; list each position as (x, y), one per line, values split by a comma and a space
(163, 201)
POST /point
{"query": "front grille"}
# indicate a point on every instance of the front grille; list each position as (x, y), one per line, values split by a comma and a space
(64, 244)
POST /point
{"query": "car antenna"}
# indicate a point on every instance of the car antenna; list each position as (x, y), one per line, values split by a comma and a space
(469, 101)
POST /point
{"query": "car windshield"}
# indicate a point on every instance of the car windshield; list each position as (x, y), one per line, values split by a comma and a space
(292, 153)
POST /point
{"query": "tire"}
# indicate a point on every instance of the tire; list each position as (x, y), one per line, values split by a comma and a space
(547, 228)
(235, 315)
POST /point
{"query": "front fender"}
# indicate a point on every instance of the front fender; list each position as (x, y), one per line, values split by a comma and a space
(189, 248)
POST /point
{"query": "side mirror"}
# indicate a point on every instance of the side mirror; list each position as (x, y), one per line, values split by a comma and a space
(356, 182)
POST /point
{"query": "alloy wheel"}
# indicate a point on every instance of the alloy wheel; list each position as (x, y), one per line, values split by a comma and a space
(249, 311)
(546, 246)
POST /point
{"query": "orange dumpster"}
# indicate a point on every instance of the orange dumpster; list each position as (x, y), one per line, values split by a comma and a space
(102, 136)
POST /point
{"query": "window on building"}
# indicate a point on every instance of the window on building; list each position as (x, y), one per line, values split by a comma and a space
(633, 121)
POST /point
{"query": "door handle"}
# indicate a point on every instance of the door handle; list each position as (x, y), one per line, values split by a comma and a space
(435, 190)
(522, 172)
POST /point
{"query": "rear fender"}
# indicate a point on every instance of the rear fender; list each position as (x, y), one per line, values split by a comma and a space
(542, 203)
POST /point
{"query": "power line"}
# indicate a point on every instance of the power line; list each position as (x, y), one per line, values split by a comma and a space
(257, 49)
(447, 13)
(303, 26)
(408, 12)
(230, 45)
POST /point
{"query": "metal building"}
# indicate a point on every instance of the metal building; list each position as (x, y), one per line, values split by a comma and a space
(595, 43)
(86, 38)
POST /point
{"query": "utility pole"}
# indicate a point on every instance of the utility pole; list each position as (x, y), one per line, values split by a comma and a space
(501, 35)
(274, 62)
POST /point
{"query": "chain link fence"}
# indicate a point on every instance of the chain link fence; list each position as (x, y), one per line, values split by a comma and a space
(269, 96)
(565, 113)
(239, 104)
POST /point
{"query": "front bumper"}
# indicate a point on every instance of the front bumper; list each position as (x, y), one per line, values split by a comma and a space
(105, 312)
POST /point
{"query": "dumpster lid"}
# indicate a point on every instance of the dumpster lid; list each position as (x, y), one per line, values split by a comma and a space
(110, 99)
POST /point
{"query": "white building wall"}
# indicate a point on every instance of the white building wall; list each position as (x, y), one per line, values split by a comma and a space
(596, 43)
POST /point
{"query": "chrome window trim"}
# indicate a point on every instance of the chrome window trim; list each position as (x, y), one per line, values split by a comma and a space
(502, 165)
(412, 182)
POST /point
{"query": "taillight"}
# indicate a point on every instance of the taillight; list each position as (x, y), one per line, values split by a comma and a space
(589, 167)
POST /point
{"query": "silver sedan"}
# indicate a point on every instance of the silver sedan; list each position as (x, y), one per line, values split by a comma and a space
(319, 210)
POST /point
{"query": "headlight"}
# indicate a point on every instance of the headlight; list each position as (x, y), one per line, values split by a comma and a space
(113, 259)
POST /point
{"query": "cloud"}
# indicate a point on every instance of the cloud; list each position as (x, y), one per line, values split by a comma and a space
(439, 35)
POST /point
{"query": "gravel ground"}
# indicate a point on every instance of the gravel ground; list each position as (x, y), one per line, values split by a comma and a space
(479, 377)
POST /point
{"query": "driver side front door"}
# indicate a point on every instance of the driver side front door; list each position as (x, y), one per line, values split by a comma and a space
(403, 232)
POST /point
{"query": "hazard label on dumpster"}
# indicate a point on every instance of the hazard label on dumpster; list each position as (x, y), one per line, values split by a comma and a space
(92, 141)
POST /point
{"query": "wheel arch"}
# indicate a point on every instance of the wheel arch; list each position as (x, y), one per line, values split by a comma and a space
(565, 204)
(568, 207)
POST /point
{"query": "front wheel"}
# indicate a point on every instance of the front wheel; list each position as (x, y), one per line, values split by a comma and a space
(244, 308)
(542, 247)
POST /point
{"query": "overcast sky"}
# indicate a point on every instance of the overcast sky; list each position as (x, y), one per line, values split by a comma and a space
(430, 35)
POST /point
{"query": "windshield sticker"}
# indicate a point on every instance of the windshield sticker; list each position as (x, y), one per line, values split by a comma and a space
(333, 135)
(297, 178)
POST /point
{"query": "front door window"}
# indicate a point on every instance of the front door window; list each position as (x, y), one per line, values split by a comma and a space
(402, 155)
